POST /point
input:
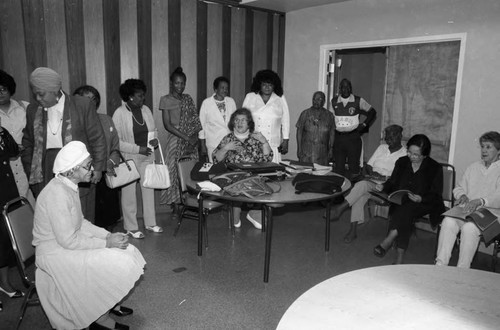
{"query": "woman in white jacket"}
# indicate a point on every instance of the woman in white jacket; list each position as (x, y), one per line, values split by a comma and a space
(134, 122)
(270, 111)
(215, 112)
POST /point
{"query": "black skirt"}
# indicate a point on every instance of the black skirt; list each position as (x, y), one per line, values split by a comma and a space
(107, 205)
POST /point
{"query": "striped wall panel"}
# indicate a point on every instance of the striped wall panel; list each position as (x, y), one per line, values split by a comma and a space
(104, 42)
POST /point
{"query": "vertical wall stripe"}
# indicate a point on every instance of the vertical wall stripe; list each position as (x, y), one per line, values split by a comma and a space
(76, 43)
(270, 40)
(144, 46)
(201, 50)
(128, 40)
(276, 39)
(214, 47)
(281, 47)
(34, 30)
(13, 49)
(248, 48)
(112, 54)
(174, 33)
(226, 41)
(159, 58)
(188, 47)
(56, 42)
(238, 77)
(94, 50)
(259, 41)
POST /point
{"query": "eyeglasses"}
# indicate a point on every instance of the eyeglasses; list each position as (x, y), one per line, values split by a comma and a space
(89, 166)
(4, 91)
(241, 120)
(414, 155)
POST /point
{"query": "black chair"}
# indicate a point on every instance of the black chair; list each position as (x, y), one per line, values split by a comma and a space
(18, 216)
(189, 200)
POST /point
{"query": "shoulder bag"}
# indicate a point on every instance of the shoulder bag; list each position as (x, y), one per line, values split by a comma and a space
(156, 176)
(125, 173)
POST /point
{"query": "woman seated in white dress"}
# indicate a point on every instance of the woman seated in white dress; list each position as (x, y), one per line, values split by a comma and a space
(83, 271)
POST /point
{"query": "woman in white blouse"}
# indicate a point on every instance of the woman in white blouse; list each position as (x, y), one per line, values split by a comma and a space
(215, 112)
(270, 111)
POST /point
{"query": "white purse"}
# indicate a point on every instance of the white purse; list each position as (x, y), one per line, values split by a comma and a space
(156, 176)
(125, 173)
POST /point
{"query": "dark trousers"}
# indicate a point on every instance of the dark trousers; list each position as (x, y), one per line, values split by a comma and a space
(347, 150)
(402, 218)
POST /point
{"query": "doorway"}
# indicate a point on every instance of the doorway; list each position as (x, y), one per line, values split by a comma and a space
(366, 64)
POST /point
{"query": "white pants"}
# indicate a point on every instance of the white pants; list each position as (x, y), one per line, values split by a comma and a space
(469, 240)
(357, 198)
(129, 198)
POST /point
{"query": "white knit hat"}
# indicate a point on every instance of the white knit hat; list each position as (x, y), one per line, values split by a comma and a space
(71, 155)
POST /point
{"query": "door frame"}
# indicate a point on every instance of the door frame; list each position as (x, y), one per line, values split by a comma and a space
(324, 56)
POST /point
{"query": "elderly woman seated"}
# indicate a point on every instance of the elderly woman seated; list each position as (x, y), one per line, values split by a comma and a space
(479, 187)
(380, 167)
(82, 270)
(421, 175)
(243, 144)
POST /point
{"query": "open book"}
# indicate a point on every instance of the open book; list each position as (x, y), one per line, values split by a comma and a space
(486, 221)
(395, 197)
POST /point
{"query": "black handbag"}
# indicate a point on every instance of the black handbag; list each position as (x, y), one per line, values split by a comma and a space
(323, 184)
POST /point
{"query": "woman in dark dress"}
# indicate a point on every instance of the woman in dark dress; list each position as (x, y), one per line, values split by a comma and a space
(8, 149)
(423, 176)
(107, 200)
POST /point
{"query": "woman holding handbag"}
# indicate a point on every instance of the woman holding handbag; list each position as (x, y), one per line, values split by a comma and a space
(107, 200)
(134, 123)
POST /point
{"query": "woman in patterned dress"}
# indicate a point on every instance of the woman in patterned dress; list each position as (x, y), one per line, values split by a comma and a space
(180, 119)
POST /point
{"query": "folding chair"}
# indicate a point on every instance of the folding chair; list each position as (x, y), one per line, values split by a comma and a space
(189, 200)
(18, 216)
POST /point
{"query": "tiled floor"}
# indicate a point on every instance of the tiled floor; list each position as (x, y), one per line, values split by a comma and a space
(224, 288)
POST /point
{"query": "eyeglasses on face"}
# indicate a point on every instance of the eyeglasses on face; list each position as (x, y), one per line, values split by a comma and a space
(4, 91)
(241, 120)
(89, 166)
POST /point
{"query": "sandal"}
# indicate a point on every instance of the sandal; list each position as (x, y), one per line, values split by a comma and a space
(349, 238)
(155, 229)
(135, 234)
(379, 251)
(121, 311)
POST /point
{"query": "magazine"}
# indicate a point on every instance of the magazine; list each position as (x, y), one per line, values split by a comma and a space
(395, 197)
(486, 221)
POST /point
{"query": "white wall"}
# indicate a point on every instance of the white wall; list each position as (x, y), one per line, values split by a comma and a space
(368, 20)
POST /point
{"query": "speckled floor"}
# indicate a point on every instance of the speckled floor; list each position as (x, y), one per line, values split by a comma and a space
(224, 288)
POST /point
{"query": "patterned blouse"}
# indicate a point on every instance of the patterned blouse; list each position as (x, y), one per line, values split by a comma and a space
(252, 153)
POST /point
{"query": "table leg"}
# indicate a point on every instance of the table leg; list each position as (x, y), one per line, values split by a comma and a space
(200, 225)
(269, 234)
(327, 224)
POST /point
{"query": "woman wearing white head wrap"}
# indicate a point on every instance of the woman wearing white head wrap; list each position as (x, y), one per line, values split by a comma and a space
(82, 270)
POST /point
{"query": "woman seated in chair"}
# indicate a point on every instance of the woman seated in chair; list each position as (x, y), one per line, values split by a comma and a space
(82, 270)
(479, 187)
(423, 176)
(243, 144)
(380, 167)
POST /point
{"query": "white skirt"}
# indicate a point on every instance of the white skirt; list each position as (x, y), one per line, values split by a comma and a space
(76, 287)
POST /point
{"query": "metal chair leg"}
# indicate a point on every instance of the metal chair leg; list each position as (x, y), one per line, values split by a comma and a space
(205, 216)
(494, 257)
(181, 216)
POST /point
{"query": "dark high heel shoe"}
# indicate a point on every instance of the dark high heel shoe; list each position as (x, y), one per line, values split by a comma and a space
(379, 251)
(1, 306)
(15, 294)
(118, 326)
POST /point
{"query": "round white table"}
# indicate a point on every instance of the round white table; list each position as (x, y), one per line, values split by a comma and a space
(400, 297)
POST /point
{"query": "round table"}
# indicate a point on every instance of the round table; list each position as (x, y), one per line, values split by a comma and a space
(286, 195)
(400, 297)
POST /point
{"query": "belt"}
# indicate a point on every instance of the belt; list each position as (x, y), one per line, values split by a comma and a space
(346, 133)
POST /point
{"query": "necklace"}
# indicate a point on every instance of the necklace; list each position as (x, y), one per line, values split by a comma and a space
(57, 128)
(135, 119)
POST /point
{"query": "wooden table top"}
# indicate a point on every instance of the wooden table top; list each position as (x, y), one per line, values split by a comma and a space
(400, 297)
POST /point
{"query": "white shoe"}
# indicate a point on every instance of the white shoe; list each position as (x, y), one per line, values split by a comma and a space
(254, 222)
(155, 229)
(237, 224)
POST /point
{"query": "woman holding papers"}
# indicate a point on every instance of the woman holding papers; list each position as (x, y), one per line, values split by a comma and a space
(423, 176)
(479, 187)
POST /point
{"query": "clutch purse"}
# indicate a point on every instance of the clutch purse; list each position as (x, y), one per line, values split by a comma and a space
(125, 173)
(156, 176)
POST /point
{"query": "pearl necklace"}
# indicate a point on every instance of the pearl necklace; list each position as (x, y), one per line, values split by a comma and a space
(135, 119)
(57, 127)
